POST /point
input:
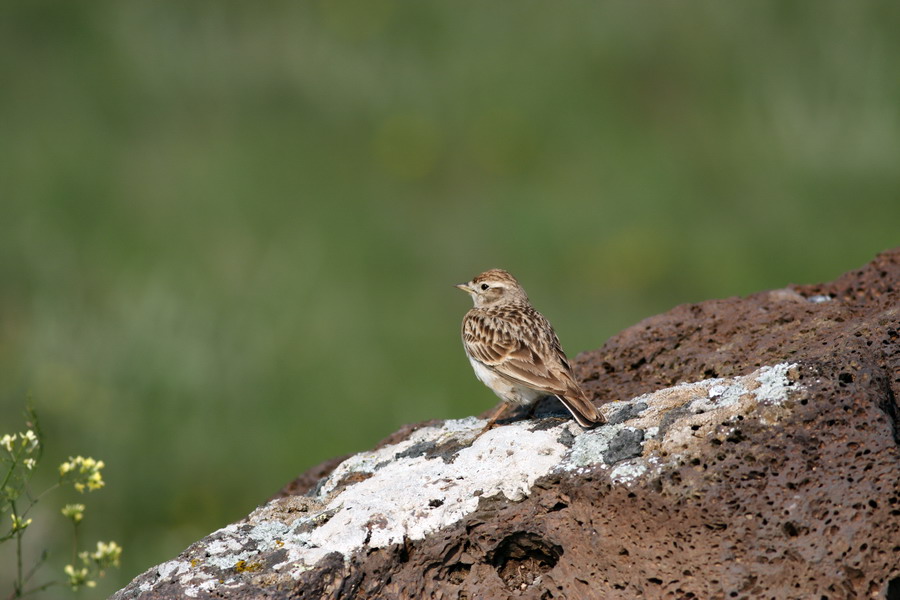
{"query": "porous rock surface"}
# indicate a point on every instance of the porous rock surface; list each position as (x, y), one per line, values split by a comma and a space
(752, 451)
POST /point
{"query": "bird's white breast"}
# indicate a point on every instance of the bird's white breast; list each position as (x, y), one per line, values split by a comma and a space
(510, 392)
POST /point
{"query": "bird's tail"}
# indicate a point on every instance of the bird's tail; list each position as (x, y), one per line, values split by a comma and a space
(584, 411)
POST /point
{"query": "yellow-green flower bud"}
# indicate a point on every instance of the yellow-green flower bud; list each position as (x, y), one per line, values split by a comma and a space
(18, 523)
(74, 512)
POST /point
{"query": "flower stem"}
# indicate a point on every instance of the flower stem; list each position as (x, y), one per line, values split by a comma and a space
(18, 585)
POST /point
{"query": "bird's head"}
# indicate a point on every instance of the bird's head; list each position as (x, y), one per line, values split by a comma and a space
(494, 288)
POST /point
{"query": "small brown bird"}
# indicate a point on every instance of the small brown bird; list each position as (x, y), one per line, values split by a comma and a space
(515, 351)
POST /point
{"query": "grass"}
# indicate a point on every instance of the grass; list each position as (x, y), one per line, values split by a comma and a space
(229, 232)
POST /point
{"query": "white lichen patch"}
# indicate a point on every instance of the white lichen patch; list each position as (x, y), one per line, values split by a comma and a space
(438, 475)
(677, 418)
(224, 545)
(589, 448)
(401, 494)
(173, 568)
(411, 497)
(628, 471)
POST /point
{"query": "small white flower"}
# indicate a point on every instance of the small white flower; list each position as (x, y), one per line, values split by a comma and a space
(83, 473)
(7, 441)
(107, 554)
(74, 512)
(29, 440)
(18, 523)
(78, 577)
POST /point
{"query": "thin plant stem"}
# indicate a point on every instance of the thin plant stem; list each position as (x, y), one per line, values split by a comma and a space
(18, 585)
(75, 544)
(34, 569)
(41, 495)
(40, 588)
(9, 473)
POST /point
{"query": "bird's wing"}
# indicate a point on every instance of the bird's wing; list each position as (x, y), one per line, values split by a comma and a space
(524, 355)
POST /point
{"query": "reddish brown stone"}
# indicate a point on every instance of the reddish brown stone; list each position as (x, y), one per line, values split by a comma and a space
(721, 338)
(803, 506)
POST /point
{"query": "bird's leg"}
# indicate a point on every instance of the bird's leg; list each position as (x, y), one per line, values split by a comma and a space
(493, 420)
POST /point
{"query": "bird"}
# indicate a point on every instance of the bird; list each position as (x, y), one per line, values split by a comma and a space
(515, 352)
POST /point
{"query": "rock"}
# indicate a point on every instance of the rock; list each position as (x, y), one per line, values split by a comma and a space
(753, 451)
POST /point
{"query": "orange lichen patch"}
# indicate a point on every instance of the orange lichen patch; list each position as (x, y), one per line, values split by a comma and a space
(242, 566)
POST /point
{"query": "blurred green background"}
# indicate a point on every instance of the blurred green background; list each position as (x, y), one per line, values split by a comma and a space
(229, 231)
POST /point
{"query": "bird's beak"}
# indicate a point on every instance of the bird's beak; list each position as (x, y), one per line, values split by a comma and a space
(464, 287)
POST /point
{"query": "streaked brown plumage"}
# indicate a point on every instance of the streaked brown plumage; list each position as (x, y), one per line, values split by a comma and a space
(514, 350)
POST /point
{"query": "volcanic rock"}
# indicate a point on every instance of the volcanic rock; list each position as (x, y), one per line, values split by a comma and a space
(752, 451)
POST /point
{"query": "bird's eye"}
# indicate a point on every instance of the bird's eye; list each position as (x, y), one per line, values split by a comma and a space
(484, 286)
